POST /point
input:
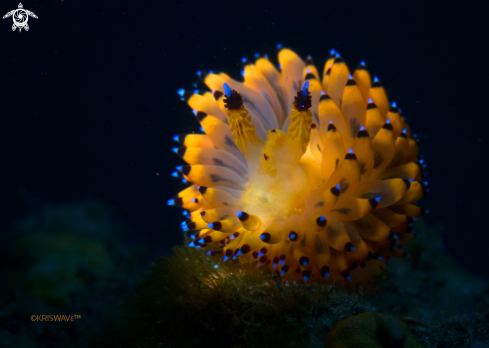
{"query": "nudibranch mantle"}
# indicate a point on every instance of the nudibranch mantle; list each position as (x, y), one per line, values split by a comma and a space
(314, 178)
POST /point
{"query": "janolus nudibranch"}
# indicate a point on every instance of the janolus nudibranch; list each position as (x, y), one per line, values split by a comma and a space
(314, 178)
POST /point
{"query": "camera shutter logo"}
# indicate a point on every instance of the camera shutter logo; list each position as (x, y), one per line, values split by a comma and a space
(20, 17)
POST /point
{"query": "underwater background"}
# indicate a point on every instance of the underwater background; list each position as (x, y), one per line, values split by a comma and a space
(89, 107)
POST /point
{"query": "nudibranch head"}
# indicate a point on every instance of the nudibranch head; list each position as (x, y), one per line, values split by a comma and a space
(314, 178)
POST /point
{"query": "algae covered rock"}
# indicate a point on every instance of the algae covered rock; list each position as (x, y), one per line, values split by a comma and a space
(371, 330)
(191, 300)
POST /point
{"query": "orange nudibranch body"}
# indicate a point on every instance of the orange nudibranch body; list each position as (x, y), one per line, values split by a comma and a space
(315, 177)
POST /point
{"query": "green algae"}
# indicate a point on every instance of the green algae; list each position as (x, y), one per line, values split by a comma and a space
(192, 300)
(189, 299)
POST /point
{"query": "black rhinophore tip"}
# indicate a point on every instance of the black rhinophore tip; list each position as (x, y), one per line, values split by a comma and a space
(233, 101)
(303, 101)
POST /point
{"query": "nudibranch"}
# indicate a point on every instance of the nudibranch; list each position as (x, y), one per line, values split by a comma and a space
(313, 176)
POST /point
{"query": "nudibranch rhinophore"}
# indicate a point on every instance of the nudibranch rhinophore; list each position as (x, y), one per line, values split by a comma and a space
(315, 177)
